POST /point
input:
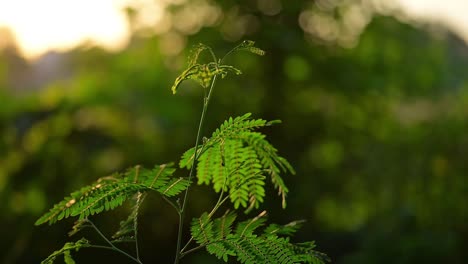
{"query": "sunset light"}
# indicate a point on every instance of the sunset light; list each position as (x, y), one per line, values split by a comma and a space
(56, 24)
(39, 26)
(137, 131)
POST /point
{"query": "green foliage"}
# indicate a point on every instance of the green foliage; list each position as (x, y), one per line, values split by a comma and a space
(110, 192)
(79, 225)
(66, 251)
(203, 74)
(349, 113)
(236, 159)
(247, 245)
(129, 227)
(249, 45)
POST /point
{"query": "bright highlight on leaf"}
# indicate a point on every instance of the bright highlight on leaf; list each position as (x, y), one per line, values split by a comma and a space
(204, 73)
(110, 192)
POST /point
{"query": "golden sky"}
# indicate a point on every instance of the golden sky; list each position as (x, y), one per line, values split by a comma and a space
(41, 25)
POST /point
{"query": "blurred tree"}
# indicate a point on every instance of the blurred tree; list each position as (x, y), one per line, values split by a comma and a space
(374, 112)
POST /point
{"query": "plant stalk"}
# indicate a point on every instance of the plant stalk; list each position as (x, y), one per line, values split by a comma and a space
(117, 250)
(206, 101)
(112, 246)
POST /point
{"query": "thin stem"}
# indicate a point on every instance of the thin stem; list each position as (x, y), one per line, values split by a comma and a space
(206, 101)
(192, 250)
(140, 198)
(100, 233)
(202, 246)
(229, 53)
(186, 245)
(219, 202)
(171, 203)
(212, 55)
(117, 250)
(112, 244)
(217, 205)
(197, 248)
(136, 246)
(216, 208)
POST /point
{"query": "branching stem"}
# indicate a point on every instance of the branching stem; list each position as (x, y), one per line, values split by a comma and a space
(171, 203)
(217, 205)
(183, 254)
(206, 101)
(140, 197)
(116, 249)
(112, 246)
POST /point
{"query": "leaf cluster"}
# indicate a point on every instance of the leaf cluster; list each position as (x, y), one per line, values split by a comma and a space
(110, 192)
(129, 227)
(203, 73)
(245, 243)
(66, 251)
(237, 160)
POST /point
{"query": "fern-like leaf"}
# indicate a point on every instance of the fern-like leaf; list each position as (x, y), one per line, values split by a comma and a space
(248, 227)
(202, 229)
(203, 73)
(244, 173)
(223, 225)
(129, 227)
(271, 161)
(209, 165)
(249, 46)
(234, 126)
(237, 159)
(247, 245)
(66, 251)
(288, 229)
(196, 51)
(79, 225)
(110, 192)
(187, 158)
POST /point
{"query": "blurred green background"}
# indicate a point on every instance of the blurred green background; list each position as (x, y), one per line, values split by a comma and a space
(374, 111)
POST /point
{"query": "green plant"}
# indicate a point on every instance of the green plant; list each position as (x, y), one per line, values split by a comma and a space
(236, 161)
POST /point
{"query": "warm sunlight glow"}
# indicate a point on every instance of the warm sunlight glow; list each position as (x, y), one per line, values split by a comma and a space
(42, 25)
(451, 13)
(59, 24)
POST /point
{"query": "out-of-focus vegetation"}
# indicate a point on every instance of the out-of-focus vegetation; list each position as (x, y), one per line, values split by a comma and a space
(374, 117)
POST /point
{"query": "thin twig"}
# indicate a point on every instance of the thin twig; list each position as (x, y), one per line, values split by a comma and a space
(206, 100)
(140, 198)
(182, 251)
(184, 201)
(111, 244)
(192, 250)
(114, 249)
(171, 203)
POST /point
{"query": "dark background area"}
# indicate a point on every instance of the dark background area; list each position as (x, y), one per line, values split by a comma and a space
(374, 111)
